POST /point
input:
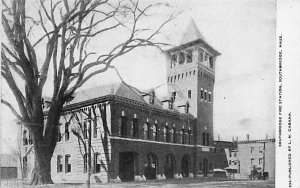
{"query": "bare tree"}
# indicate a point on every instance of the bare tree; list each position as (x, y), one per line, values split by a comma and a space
(68, 27)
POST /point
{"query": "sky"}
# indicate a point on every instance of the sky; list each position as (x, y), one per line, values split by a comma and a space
(243, 31)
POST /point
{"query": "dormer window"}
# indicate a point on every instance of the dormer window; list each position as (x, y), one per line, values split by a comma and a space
(181, 58)
(151, 96)
(189, 56)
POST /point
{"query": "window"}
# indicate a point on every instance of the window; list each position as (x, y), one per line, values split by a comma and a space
(189, 56)
(190, 136)
(67, 163)
(229, 162)
(25, 142)
(181, 58)
(85, 163)
(146, 131)
(200, 166)
(173, 60)
(174, 95)
(155, 132)
(251, 149)
(189, 94)
(135, 128)
(200, 53)
(187, 107)
(173, 132)
(97, 164)
(201, 93)
(209, 97)
(175, 78)
(123, 129)
(182, 75)
(67, 134)
(252, 162)
(59, 164)
(29, 138)
(205, 95)
(95, 129)
(182, 136)
(207, 139)
(230, 155)
(85, 130)
(171, 79)
(260, 149)
(260, 160)
(25, 167)
(211, 62)
(165, 134)
(234, 154)
(203, 139)
(206, 57)
(58, 134)
(168, 79)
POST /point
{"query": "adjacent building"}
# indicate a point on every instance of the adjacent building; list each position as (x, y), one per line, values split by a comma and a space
(136, 135)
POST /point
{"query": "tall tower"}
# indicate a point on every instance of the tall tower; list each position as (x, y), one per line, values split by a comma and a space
(191, 77)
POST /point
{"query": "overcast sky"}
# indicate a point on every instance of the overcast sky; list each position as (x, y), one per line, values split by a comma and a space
(243, 31)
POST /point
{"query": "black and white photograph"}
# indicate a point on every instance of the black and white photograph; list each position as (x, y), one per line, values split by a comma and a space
(148, 93)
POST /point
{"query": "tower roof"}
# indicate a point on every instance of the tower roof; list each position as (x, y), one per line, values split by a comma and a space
(191, 33)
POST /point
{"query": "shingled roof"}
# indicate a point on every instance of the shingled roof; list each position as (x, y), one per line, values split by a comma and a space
(191, 33)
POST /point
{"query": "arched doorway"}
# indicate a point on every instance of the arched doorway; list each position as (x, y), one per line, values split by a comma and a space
(185, 165)
(151, 166)
(169, 166)
(126, 165)
(205, 167)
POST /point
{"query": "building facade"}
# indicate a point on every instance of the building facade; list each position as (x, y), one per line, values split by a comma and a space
(135, 135)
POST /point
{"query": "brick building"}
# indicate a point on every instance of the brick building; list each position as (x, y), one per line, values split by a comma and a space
(137, 136)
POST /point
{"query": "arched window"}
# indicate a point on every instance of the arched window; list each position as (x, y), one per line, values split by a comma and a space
(183, 136)
(180, 137)
(123, 126)
(165, 134)
(68, 163)
(85, 162)
(204, 139)
(207, 139)
(173, 137)
(189, 56)
(59, 164)
(190, 136)
(97, 164)
(181, 58)
(155, 132)
(135, 128)
(146, 131)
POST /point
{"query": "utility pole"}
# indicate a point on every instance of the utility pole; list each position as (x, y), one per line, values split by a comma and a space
(264, 153)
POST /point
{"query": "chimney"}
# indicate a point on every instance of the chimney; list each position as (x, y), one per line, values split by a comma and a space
(248, 137)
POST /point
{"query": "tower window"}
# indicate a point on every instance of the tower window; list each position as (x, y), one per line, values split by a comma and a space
(194, 72)
(165, 134)
(201, 94)
(182, 75)
(189, 56)
(205, 95)
(206, 57)
(173, 60)
(171, 79)
(174, 95)
(211, 62)
(200, 55)
(209, 97)
(189, 94)
(181, 58)
(155, 132)
(135, 128)
(123, 128)
(174, 78)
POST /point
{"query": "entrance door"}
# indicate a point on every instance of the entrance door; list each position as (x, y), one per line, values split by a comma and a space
(205, 167)
(126, 166)
(151, 167)
(185, 166)
(169, 166)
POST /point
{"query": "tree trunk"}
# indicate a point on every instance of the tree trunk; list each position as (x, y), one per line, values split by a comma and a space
(44, 145)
